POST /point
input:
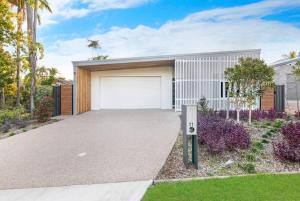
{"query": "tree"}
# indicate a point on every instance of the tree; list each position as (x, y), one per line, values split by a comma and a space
(46, 76)
(291, 55)
(6, 73)
(32, 7)
(236, 87)
(20, 15)
(95, 45)
(258, 77)
(6, 37)
(248, 80)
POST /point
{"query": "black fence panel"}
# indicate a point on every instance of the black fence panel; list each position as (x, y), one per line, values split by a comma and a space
(279, 98)
(57, 100)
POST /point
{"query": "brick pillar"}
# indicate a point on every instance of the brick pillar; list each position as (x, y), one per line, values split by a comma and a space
(267, 100)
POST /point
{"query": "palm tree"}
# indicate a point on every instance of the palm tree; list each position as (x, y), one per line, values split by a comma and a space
(20, 4)
(291, 55)
(94, 45)
(32, 19)
(25, 7)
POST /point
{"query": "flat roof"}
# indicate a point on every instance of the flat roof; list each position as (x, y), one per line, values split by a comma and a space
(162, 59)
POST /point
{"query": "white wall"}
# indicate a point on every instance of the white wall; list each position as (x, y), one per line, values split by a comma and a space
(164, 72)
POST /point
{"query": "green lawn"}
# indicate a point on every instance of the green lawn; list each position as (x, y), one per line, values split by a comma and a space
(260, 187)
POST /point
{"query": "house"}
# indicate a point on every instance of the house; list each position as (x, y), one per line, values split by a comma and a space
(289, 83)
(162, 82)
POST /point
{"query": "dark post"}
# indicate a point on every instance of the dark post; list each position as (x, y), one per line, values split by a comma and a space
(189, 129)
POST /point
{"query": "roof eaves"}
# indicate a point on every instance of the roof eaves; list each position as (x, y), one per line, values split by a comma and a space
(284, 62)
(158, 58)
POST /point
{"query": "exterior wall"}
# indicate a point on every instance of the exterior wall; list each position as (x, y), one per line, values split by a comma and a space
(83, 90)
(203, 77)
(66, 99)
(267, 100)
(281, 73)
(165, 73)
(284, 76)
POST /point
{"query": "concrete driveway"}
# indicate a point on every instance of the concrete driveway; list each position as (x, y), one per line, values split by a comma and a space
(95, 147)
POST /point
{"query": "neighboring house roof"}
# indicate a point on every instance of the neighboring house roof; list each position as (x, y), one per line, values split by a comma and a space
(283, 62)
(158, 58)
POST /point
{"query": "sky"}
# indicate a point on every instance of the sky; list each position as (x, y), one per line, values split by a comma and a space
(130, 28)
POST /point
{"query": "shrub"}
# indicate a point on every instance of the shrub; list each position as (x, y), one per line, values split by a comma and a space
(220, 135)
(250, 157)
(11, 114)
(45, 109)
(248, 168)
(202, 106)
(43, 91)
(258, 145)
(297, 114)
(289, 147)
(278, 124)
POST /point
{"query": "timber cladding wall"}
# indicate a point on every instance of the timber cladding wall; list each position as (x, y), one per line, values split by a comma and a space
(66, 99)
(83, 90)
(267, 100)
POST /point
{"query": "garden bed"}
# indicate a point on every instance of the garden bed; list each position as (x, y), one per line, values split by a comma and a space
(258, 158)
(26, 126)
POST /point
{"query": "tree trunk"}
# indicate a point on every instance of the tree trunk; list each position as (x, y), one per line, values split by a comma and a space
(2, 104)
(238, 115)
(227, 108)
(250, 115)
(31, 55)
(19, 64)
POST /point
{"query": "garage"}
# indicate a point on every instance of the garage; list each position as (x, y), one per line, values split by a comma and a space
(130, 92)
(142, 88)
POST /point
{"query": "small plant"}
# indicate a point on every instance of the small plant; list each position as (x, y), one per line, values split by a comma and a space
(264, 141)
(250, 157)
(265, 136)
(258, 145)
(24, 130)
(278, 124)
(269, 133)
(254, 150)
(273, 130)
(268, 123)
(45, 109)
(248, 168)
(203, 107)
(34, 127)
(12, 134)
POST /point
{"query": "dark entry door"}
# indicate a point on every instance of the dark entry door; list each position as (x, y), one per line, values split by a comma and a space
(57, 100)
(279, 98)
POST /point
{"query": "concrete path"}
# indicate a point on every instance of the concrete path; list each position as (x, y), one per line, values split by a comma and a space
(125, 191)
(96, 147)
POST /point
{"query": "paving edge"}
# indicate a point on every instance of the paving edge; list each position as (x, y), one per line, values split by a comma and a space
(218, 177)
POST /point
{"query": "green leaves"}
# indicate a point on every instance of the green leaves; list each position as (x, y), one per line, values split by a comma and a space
(249, 79)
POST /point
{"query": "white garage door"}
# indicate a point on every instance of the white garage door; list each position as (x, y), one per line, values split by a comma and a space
(130, 92)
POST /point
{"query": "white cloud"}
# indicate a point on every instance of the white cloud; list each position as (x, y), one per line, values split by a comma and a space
(231, 29)
(79, 8)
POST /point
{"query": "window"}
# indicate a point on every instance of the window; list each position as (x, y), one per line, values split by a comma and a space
(224, 88)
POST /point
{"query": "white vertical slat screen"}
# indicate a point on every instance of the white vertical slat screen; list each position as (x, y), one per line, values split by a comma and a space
(202, 76)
